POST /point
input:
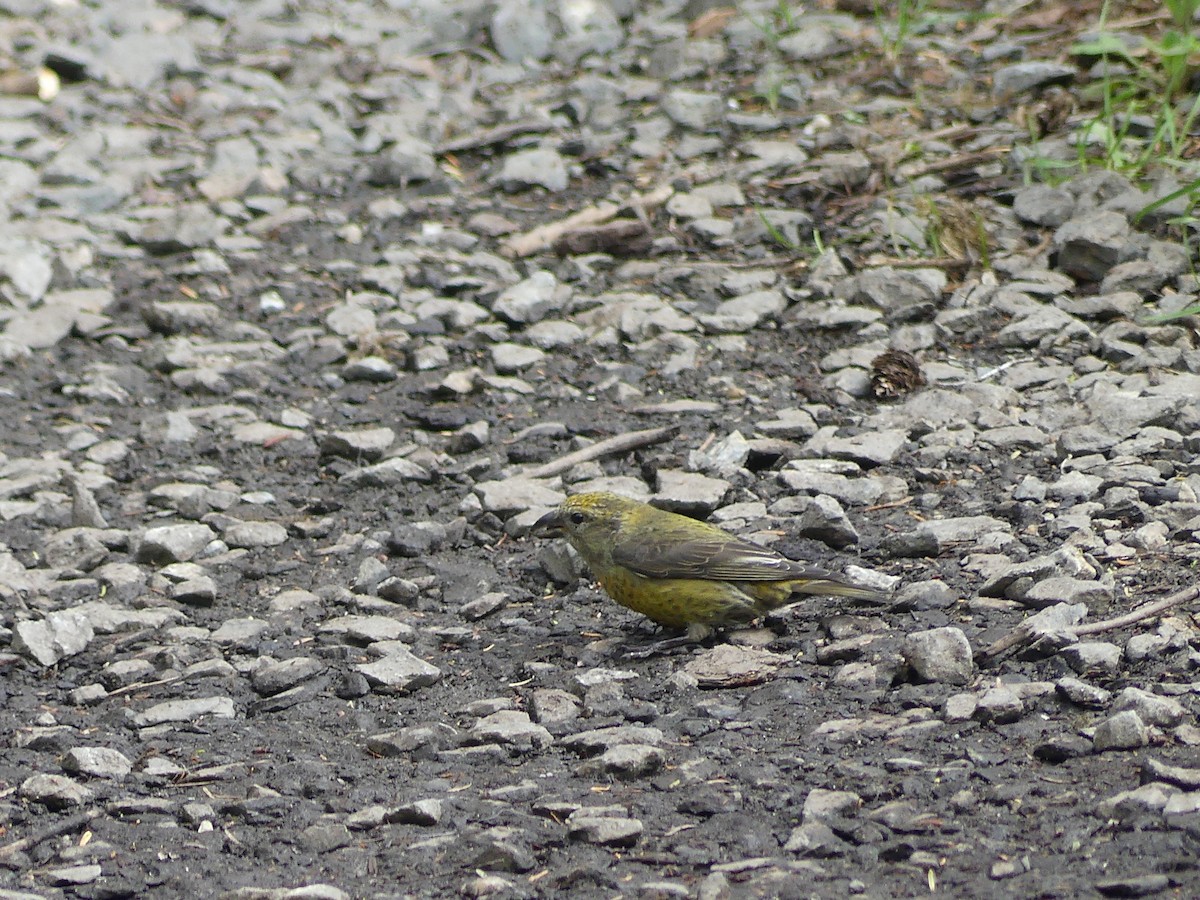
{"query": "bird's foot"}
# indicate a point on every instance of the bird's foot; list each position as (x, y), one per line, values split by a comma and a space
(695, 636)
(664, 647)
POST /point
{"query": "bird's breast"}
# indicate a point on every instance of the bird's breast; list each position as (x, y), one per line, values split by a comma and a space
(678, 602)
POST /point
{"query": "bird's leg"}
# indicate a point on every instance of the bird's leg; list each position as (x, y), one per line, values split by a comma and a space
(696, 634)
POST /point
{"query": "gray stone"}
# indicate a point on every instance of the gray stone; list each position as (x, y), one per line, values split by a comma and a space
(822, 518)
(511, 728)
(1083, 694)
(1093, 657)
(417, 741)
(601, 739)
(689, 493)
(1165, 712)
(325, 837)
(814, 839)
(182, 227)
(54, 791)
(744, 313)
(370, 368)
(60, 312)
(694, 110)
(185, 711)
(1000, 704)
(530, 300)
(407, 159)
(67, 876)
(842, 481)
(363, 444)
(628, 761)
(352, 319)
(940, 655)
(822, 804)
(1075, 487)
(484, 605)
(1043, 204)
(97, 762)
(813, 41)
(367, 629)
(198, 591)
(508, 358)
(173, 543)
(960, 707)
(389, 473)
(241, 633)
(1141, 647)
(1089, 246)
(541, 167)
(1061, 589)
(176, 316)
(107, 618)
(425, 813)
(419, 539)
(873, 448)
(551, 334)
(1029, 74)
(553, 708)
(1045, 326)
(723, 457)
(281, 675)
(793, 424)
(54, 638)
(963, 528)
(521, 30)
(399, 672)
(514, 495)
(897, 289)
(254, 534)
(1122, 731)
(26, 266)
(606, 830)
(1152, 797)
(727, 665)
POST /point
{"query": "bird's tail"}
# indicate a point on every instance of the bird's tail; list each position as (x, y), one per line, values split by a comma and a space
(836, 588)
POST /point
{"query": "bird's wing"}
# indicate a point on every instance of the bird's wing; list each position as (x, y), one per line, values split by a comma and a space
(709, 558)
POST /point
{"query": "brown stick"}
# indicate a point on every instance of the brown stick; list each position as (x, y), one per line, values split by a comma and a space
(544, 236)
(1018, 635)
(1022, 633)
(489, 136)
(960, 161)
(53, 830)
(1148, 611)
(618, 443)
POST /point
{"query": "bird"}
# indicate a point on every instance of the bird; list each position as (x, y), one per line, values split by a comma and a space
(682, 573)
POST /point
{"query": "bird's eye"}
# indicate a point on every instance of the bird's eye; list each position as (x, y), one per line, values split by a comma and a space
(577, 518)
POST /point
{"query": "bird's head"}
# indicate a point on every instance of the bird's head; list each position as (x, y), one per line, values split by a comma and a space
(588, 521)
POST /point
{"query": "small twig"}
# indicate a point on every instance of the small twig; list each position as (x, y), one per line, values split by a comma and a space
(903, 501)
(1023, 633)
(951, 163)
(1014, 638)
(996, 370)
(619, 443)
(53, 830)
(142, 685)
(927, 262)
(488, 137)
(1148, 611)
(544, 236)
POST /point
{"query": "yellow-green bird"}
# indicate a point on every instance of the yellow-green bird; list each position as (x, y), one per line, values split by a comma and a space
(681, 572)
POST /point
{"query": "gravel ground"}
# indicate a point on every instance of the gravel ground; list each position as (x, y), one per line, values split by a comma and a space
(310, 310)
